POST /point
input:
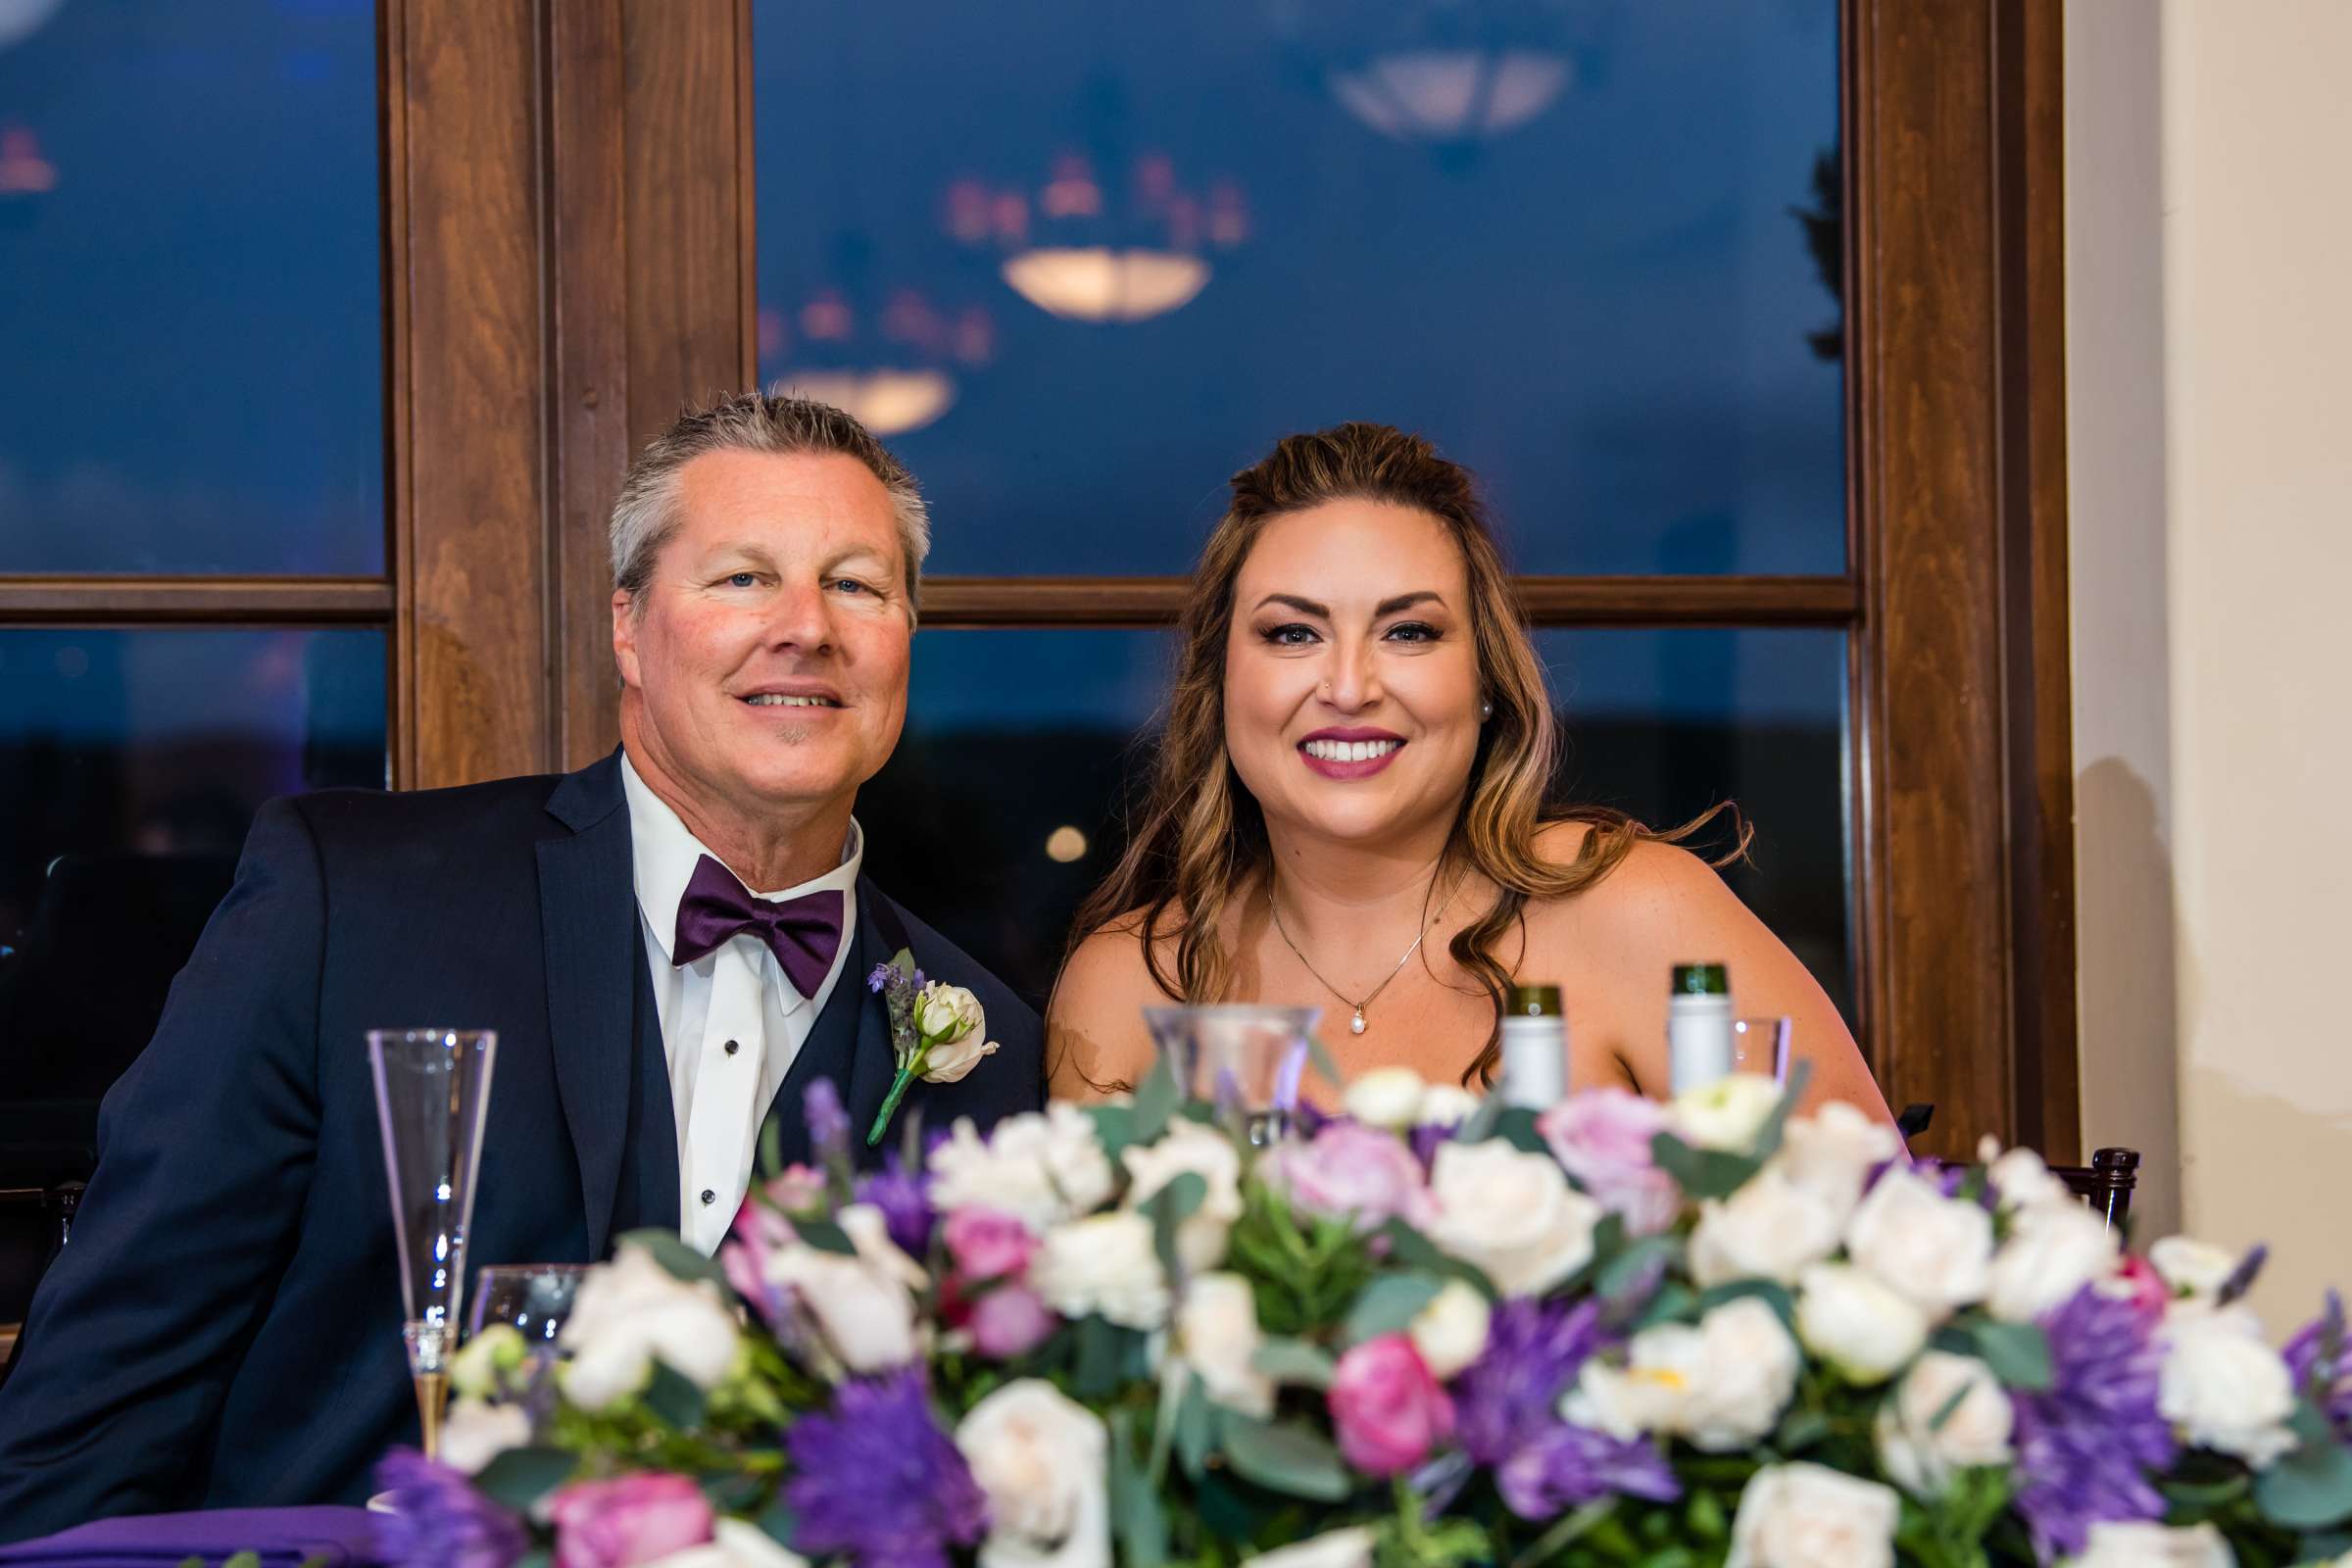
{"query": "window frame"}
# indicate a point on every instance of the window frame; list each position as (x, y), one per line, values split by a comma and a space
(568, 240)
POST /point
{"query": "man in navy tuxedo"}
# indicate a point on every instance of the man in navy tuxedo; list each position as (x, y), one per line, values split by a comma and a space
(671, 945)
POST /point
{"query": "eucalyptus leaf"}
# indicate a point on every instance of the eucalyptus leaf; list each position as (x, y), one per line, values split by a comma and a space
(1768, 1136)
(1136, 1514)
(1515, 1125)
(1480, 1124)
(1632, 1267)
(1114, 1128)
(1295, 1361)
(1155, 1100)
(1771, 1292)
(1389, 1304)
(1289, 1459)
(1196, 1428)
(1701, 1173)
(824, 1236)
(1102, 1355)
(2311, 1489)
(779, 1524)
(1409, 1249)
(674, 1398)
(2018, 1353)
(1318, 1056)
(678, 1261)
(1168, 1208)
(518, 1477)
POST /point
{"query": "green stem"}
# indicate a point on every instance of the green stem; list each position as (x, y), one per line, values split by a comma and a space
(890, 1104)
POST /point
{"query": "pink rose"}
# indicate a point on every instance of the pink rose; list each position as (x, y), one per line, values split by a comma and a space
(988, 1243)
(1601, 1138)
(632, 1519)
(2139, 1283)
(798, 1188)
(1008, 1322)
(758, 1235)
(1389, 1411)
(1350, 1170)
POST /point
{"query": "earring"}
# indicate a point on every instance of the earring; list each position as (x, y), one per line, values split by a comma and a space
(1486, 711)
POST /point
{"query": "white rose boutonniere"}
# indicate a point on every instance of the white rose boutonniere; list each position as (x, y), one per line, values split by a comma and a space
(938, 1032)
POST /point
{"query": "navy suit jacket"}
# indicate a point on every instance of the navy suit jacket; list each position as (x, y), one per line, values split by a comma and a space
(224, 1328)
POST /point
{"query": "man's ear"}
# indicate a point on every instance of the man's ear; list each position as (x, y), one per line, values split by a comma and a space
(624, 635)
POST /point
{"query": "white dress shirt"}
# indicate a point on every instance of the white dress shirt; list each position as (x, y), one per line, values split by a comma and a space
(731, 1022)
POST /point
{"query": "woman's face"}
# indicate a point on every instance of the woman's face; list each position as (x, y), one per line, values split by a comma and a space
(1352, 688)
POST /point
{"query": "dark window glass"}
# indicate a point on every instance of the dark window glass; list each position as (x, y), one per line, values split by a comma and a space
(1664, 725)
(130, 765)
(190, 235)
(1003, 806)
(1082, 262)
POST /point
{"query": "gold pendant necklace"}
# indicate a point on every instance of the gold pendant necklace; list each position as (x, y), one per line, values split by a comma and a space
(1356, 1024)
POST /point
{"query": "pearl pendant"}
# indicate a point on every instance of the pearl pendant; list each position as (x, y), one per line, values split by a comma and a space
(1355, 1025)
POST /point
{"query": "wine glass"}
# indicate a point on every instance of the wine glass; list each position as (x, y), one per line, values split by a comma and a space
(532, 1299)
(432, 1091)
(1761, 1046)
(1245, 1056)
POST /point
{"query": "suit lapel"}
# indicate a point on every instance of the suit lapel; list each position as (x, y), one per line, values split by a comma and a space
(872, 1062)
(588, 919)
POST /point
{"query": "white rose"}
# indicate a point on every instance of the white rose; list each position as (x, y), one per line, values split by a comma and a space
(1511, 1215)
(1042, 1459)
(2020, 1180)
(1191, 1146)
(1722, 1384)
(1832, 1152)
(1444, 1106)
(733, 1543)
(630, 1311)
(1104, 1263)
(2191, 1267)
(948, 1014)
(1856, 1324)
(1042, 1167)
(1727, 1114)
(2146, 1546)
(952, 1062)
(1217, 1334)
(1385, 1096)
(1771, 1229)
(2224, 1386)
(1451, 1332)
(1808, 1516)
(863, 1306)
(2053, 1250)
(1936, 1250)
(475, 1432)
(1921, 1456)
(1350, 1547)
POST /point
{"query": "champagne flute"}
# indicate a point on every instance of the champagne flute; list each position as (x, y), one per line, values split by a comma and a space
(1761, 1046)
(532, 1299)
(1245, 1056)
(432, 1091)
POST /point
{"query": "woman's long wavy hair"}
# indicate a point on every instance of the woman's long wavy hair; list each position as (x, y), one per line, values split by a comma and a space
(1200, 838)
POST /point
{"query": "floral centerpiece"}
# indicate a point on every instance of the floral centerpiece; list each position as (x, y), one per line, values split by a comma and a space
(1417, 1334)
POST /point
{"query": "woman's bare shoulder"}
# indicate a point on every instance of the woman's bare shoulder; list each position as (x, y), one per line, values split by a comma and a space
(1094, 1035)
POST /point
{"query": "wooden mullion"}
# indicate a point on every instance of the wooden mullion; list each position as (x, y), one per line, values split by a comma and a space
(1667, 601)
(126, 601)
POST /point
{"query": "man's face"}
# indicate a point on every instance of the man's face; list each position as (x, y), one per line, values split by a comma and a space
(766, 660)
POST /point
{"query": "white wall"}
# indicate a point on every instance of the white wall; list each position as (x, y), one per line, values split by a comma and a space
(2209, 281)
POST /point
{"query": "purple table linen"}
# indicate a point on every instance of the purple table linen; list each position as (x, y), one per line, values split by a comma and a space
(284, 1538)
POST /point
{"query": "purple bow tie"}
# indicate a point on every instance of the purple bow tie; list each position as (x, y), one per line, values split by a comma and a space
(804, 933)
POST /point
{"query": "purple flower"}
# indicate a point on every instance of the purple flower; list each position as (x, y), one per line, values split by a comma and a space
(1567, 1466)
(828, 1123)
(439, 1521)
(877, 1478)
(1603, 1138)
(2087, 1444)
(2321, 1360)
(880, 978)
(905, 1199)
(1505, 1398)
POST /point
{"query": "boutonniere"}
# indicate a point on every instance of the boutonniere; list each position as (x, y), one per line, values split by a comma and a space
(938, 1032)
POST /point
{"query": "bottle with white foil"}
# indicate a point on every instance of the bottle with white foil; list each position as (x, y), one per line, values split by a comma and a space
(1534, 1049)
(1698, 1025)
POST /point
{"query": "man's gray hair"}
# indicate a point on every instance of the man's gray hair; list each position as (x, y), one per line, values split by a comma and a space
(645, 514)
